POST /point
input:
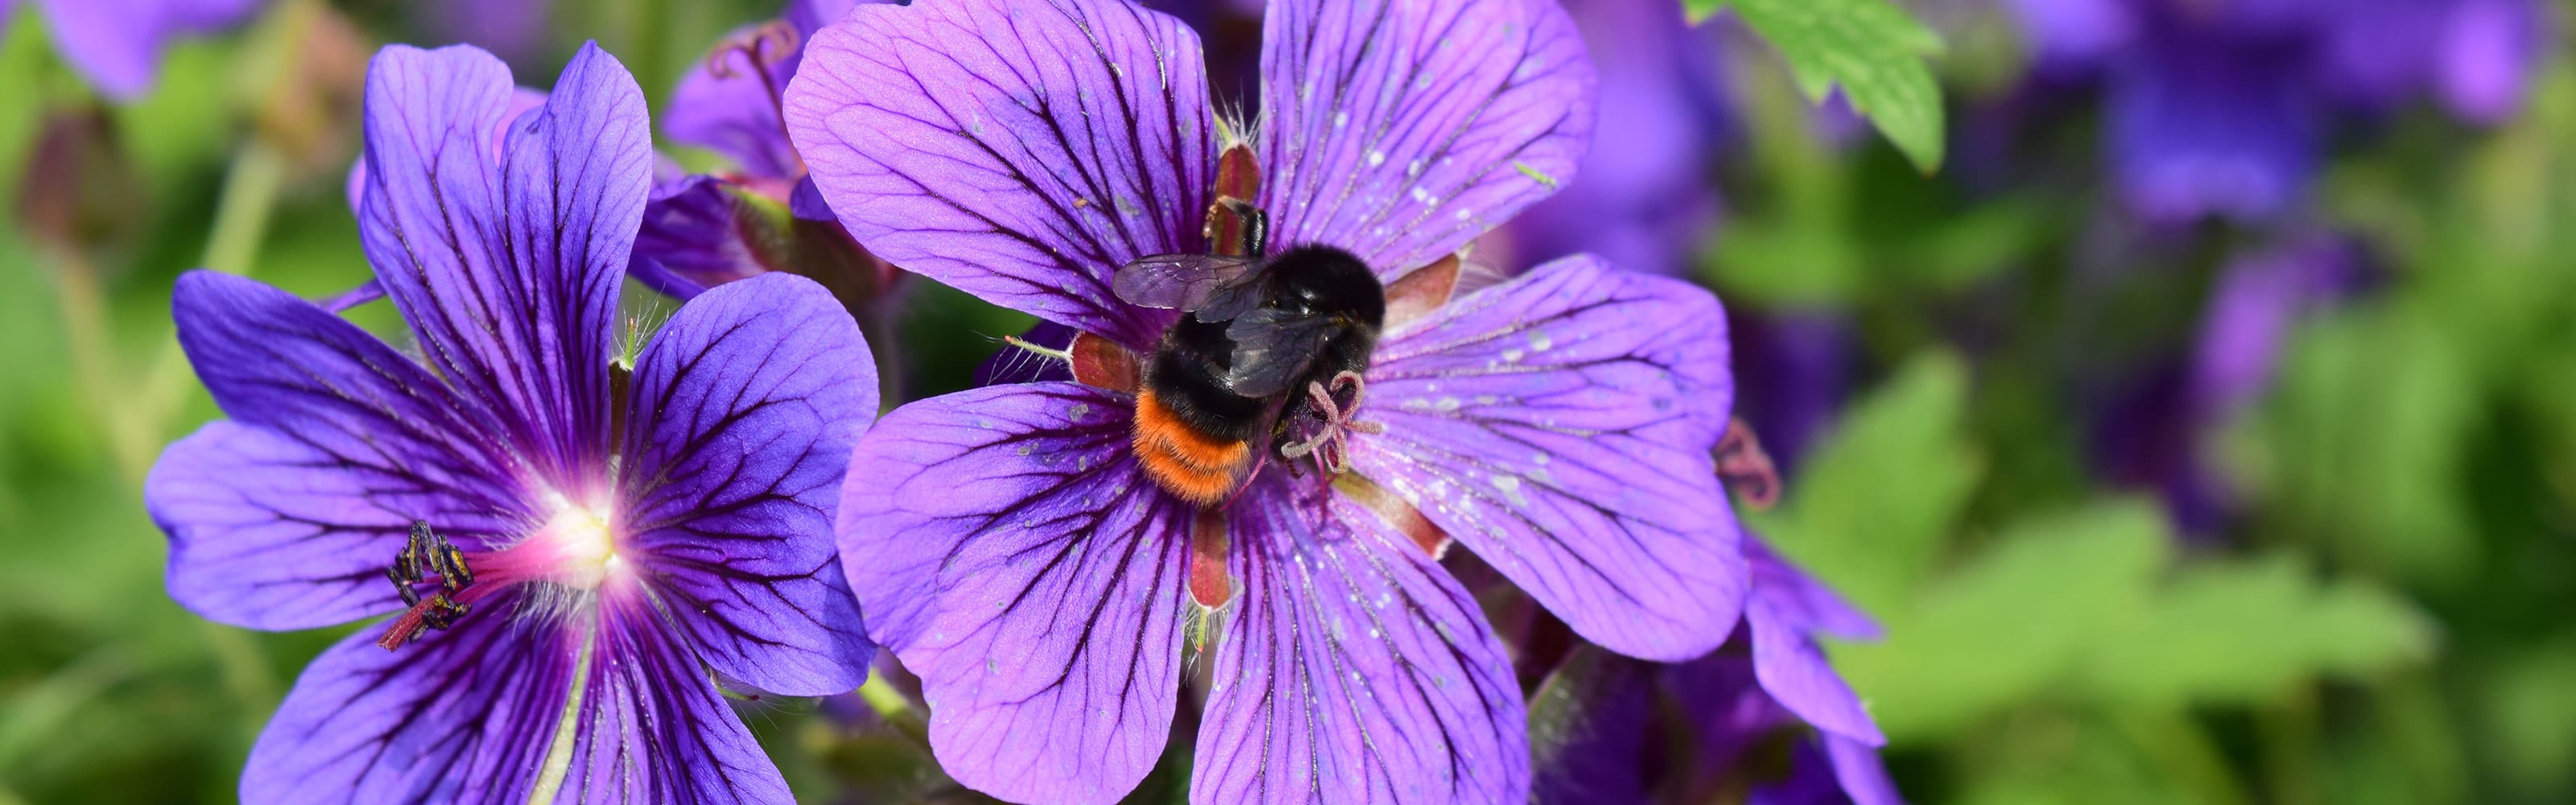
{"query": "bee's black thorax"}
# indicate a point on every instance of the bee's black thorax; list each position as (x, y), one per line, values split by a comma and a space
(1187, 370)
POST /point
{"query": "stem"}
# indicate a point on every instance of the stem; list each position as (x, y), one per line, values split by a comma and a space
(241, 224)
(881, 696)
(130, 437)
(241, 217)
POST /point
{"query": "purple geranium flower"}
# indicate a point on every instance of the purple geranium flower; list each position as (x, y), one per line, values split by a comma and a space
(116, 44)
(1008, 543)
(2216, 108)
(597, 538)
(704, 230)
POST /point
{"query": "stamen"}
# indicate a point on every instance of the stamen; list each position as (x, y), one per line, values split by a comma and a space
(423, 554)
(436, 612)
(1065, 355)
(1331, 447)
(767, 45)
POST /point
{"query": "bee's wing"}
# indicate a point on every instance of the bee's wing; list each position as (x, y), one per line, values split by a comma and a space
(1178, 281)
(1272, 348)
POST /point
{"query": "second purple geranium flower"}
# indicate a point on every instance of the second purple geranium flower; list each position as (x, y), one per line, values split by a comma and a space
(576, 546)
(1014, 548)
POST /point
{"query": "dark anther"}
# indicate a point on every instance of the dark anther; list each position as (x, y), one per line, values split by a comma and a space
(1744, 468)
(423, 555)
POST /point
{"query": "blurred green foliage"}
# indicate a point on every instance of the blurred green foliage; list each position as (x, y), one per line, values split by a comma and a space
(2386, 622)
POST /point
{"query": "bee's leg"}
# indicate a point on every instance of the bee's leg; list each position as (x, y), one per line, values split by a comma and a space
(1331, 445)
(1256, 224)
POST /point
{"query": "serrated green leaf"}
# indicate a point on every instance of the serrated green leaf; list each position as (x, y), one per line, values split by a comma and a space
(1874, 504)
(1870, 48)
(2083, 608)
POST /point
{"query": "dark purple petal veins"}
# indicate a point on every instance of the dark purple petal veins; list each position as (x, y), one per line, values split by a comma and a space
(1560, 426)
(1020, 152)
(1353, 669)
(464, 716)
(1402, 130)
(1006, 546)
(653, 727)
(509, 274)
(284, 517)
(743, 412)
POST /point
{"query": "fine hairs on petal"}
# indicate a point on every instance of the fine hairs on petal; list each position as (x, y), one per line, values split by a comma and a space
(1025, 356)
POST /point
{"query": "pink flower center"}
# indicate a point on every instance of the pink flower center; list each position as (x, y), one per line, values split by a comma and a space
(574, 549)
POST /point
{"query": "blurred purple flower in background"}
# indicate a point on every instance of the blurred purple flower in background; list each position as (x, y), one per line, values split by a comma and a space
(116, 44)
(2158, 435)
(1021, 560)
(1648, 197)
(702, 230)
(514, 30)
(596, 538)
(2220, 108)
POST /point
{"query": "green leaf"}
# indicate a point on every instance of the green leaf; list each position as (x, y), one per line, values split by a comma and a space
(2240, 632)
(1873, 506)
(2010, 624)
(1871, 48)
(2085, 608)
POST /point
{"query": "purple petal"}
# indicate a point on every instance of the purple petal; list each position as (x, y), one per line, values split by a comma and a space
(808, 16)
(1019, 152)
(1015, 365)
(286, 516)
(744, 409)
(463, 715)
(1856, 765)
(522, 99)
(1560, 425)
(688, 242)
(1723, 701)
(1795, 672)
(653, 728)
(1785, 611)
(1353, 669)
(2200, 129)
(1006, 546)
(2075, 34)
(1402, 130)
(1801, 602)
(735, 113)
(117, 44)
(1645, 202)
(2489, 52)
(1589, 725)
(509, 276)
(2248, 321)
